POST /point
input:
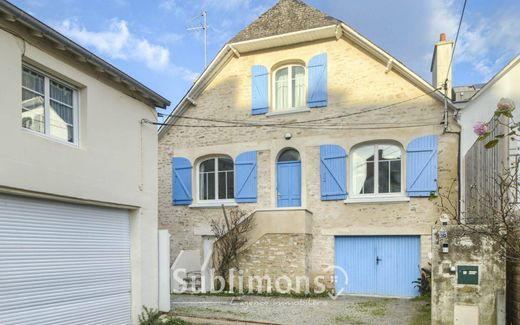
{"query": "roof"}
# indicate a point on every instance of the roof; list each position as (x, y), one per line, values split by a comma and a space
(286, 16)
(282, 33)
(36, 28)
(498, 76)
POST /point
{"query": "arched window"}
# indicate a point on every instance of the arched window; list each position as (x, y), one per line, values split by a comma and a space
(216, 179)
(289, 155)
(377, 169)
(289, 87)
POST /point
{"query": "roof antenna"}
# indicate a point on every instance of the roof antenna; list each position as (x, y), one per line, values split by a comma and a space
(204, 26)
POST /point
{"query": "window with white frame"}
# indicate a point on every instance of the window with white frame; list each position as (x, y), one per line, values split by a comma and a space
(377, 169)
(289, 87)
(49, 106)
(216, 179)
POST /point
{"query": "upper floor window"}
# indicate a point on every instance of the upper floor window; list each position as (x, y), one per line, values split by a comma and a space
(48, 106)
(216, 179)
(289, 87)
(377, 169)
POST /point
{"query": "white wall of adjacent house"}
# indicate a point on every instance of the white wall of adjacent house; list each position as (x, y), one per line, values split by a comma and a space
(114, 163)
(481, 109)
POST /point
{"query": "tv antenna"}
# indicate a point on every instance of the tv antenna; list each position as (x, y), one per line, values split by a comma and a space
(204, 27)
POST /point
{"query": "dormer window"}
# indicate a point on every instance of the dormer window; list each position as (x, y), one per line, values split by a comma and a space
(289, 87)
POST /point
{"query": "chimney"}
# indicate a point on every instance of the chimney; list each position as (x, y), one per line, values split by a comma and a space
(440, 67)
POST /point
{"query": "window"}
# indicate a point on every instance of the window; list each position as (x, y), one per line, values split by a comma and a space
(216, 179)
(289, 155)
(289, 87)
(377, 169)
(48, 106)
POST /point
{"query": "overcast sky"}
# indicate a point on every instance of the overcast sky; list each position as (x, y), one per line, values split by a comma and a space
(149, 41)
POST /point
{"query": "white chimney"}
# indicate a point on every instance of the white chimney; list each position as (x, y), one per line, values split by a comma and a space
(441, 68)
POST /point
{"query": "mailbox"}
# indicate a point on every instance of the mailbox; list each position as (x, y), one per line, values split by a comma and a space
(467, 274)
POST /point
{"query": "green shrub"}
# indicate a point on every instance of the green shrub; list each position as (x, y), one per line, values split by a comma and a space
(150, 316)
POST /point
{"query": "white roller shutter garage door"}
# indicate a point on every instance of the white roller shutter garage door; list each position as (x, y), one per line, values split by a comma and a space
(63, 263)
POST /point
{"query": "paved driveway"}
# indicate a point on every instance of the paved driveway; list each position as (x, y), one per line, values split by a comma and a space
(282, 310)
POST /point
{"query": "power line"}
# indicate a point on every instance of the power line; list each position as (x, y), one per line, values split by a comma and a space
(315, 127)
(290, 123)
(456, 40)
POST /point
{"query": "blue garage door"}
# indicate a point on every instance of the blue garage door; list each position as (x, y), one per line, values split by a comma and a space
(378, 265)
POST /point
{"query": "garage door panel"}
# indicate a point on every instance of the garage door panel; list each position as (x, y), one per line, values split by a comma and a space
(62, 261)
(87, 311)
(399, 265)
(379, 265)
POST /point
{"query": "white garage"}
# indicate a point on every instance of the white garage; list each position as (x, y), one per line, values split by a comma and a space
(63, 263)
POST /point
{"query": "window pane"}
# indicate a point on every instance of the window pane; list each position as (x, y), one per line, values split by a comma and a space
(222, 191)
(395, 176)
(298, 86)
(207, 180)
(389, 152)
(207, 166)
(207, 186)
(61, 93)
(230, 185)
(33, 113)
(363, 160)
(225, 164)
(282, 89)
(289, 155)
(384, 176)
(61, 120)
(32, 80)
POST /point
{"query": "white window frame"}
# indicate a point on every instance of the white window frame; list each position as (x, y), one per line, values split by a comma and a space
(290, 89)
(396, 196)
(46, 108)
(216, 200)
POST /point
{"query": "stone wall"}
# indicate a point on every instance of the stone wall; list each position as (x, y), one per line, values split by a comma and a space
(513, 293)
(486, 298)
(356, 81)
(277, 256)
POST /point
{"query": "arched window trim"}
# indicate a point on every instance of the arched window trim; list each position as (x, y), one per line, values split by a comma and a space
(290, 88)
(353, 193)
(198, 180)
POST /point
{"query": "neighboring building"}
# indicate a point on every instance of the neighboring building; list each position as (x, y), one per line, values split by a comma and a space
(481, 107)
(483, 104)
(78, 188)
(462, 94)
(345, 176)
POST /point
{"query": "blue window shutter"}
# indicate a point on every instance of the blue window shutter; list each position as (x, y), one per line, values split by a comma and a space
(333, 172)
(260, 86)
(317, 88)
(245, 177)
(421, 166)
(181, 181)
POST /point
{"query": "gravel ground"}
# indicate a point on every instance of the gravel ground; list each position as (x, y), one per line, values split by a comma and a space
(285, 310)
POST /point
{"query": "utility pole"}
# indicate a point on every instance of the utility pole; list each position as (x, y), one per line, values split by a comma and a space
(204, 27)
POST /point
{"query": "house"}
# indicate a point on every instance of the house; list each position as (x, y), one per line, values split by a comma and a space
(78, 189)
(332, 146)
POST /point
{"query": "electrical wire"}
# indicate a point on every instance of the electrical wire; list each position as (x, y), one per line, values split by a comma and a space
(237, 123)
(456, 39)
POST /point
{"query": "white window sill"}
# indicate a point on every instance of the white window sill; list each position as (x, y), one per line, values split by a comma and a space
(289, 111)
(213, 204)
(377, 199)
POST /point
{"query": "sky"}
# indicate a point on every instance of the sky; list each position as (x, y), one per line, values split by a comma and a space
(149, 40)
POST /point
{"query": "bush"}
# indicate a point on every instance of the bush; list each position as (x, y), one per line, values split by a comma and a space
(150, 316)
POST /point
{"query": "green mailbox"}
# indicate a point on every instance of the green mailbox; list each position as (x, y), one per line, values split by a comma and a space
(467, 274)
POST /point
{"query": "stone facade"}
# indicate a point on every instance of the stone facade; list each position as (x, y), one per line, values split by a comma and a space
(276, 256)
(356, 81)
(455, 303)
